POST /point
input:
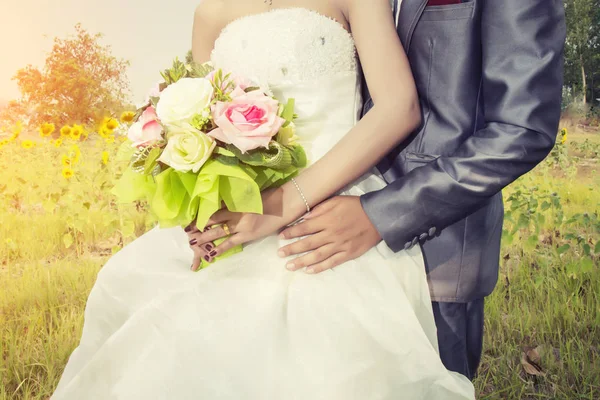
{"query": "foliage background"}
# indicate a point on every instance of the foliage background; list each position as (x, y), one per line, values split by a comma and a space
(59, 225)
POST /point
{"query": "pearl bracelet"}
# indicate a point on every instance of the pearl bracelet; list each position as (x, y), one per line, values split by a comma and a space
(301, 195)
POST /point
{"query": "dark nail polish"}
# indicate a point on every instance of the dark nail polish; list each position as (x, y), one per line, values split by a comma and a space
(207, 258)
(192, 267)
(208, 247)
(188, 228)
(213, 253)
(193, 242)
(206, 229)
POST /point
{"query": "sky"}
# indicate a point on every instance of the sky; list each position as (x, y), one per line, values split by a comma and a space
(148, 33)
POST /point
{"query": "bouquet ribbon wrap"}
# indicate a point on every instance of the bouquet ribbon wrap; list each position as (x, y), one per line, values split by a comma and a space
(176, 198)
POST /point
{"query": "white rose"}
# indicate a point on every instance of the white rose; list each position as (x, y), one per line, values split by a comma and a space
(187, 149)
(183, 99)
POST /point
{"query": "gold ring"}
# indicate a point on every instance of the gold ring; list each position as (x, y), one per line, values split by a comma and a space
(226, 229)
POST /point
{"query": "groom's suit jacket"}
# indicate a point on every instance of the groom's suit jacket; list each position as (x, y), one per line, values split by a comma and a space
(489, 77)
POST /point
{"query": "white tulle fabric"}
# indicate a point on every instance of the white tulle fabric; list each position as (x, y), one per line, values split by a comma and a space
(246, 328)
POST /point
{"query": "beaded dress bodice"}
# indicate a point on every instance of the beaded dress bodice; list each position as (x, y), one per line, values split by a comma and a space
(301, 54)
(283, 45)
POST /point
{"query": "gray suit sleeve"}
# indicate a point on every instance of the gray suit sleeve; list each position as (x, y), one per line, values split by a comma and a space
(522, 55)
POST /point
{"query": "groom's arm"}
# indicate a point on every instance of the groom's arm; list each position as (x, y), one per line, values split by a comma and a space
(522, 55)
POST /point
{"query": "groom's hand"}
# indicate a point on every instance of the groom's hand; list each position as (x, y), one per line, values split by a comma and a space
(337, 230)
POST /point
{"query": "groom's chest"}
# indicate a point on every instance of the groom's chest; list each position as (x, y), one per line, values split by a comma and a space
(433, 19)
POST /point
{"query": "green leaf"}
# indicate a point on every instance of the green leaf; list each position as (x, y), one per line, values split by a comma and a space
(597, 248)
(276, 156)
(299, 159)
(541, 220)
(523, 221)
(154, 100)
(531, 242)
(562, 249)
(587, 265)
(586, 249)
(573, 269)
(226, 160)
(507, 238)
(151, 160)
(545, 206)
(570, 236)
(223, 151)
(67, 240)
(288, 110)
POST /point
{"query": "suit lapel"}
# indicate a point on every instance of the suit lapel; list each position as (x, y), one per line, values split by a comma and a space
(410, 13)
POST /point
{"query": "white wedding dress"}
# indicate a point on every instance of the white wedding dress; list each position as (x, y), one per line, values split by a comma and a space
(246, 328)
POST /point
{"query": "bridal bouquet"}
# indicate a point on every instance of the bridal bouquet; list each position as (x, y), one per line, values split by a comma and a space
(205, 138)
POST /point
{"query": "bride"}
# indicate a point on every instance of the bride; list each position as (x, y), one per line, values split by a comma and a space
(247, 327)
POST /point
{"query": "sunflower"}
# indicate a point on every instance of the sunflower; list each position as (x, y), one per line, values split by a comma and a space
(68, 173)
(27, 144)
(76, 132)
(110, 123)
(105, 157)
(65, 131)
(563, 136)
(17, 131)
(127, 117)
(75, 153)
(104, 131)
(58, 142)
(46, 129)
(66, 160)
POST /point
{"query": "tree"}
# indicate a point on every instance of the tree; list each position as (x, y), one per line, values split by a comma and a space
(583, 42)
(11, 114)
(80, 82)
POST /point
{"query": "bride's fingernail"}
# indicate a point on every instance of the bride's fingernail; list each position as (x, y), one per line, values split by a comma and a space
(309, 270)
(188, 228)
(193, 242)
(281, 253)
(207, 258)
(291, 266)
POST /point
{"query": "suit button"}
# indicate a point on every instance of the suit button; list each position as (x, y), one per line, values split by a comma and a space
(415, 241)
(432, 231)
(408, 245)
(423, 236)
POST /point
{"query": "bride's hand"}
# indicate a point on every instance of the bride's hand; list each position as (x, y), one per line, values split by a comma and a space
(240, 228)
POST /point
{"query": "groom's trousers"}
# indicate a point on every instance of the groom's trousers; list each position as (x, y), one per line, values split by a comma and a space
(460, 335)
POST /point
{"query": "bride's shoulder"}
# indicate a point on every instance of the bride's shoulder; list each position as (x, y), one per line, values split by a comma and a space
(210, 11)
(208, 21)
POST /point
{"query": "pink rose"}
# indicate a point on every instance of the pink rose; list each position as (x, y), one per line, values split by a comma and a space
(146, 130)
(248, 121)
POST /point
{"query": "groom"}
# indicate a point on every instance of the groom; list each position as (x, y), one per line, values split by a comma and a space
(489, 75)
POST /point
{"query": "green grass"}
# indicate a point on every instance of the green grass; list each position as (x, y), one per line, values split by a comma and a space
(55, 235)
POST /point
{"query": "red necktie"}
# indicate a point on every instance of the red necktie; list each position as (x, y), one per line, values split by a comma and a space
(442, 2)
